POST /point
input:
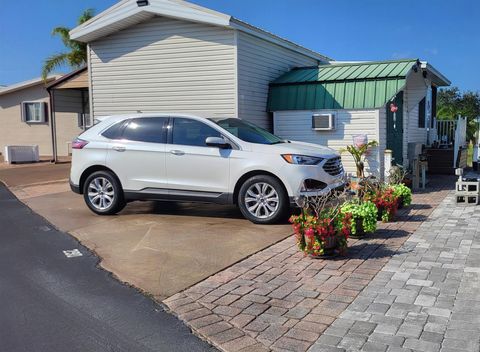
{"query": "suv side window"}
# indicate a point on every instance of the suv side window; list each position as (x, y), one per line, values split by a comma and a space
(192, 132)
(115, 131)
(148, 129)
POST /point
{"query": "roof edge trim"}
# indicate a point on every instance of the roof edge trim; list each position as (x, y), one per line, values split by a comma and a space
(28, 84)
(97, 27)
(444, 81)
(65, 77)
(273, 38)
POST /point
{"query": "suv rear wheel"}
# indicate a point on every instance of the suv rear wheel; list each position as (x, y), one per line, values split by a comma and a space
(263, 200)
(103, 194)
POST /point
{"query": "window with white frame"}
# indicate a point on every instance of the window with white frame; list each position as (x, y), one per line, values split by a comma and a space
(34, 112)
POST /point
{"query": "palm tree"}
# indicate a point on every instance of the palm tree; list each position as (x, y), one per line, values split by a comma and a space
(77, 55)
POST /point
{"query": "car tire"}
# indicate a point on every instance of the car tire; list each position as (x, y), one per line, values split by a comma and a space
(103, 193)
(262, 199)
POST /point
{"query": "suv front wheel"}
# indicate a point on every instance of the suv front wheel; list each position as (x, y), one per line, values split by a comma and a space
(263, 200)
(103, 194)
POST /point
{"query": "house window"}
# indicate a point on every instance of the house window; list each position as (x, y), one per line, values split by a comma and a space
(34, 112)
(421, 113)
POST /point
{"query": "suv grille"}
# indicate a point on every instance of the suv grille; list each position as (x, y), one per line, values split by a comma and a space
(333, 166)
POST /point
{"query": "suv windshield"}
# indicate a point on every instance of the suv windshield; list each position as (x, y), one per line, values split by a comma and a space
(247, 131)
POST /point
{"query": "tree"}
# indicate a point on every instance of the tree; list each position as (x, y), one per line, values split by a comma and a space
(77, 54)
(451, 103)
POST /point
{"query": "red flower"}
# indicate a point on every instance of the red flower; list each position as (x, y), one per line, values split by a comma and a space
(297, 228)
(310, 232)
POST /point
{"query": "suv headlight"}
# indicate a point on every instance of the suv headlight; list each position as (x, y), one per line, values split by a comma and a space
(301, 159)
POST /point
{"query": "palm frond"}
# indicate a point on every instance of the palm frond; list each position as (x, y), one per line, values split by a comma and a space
(52, 63)
(76, 59)
(86, 15)
(62, 32)
(77, 55)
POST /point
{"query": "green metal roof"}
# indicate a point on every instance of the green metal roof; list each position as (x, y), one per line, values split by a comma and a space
(339, 86)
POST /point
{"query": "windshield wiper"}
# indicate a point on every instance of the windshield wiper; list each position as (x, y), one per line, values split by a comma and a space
(278, 142)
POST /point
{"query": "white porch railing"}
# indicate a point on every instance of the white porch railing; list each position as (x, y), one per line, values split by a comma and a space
(446, 131)
(451, 134)
(460, 139)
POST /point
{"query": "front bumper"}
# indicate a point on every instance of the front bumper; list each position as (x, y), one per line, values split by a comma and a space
(337, 186)
(75, 188)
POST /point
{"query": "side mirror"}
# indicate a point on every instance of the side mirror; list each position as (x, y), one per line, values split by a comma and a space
(218, 142)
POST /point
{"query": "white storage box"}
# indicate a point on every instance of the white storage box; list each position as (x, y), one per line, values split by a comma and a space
(21, 154)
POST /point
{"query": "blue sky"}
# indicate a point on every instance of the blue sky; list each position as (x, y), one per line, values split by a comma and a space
(444, 32)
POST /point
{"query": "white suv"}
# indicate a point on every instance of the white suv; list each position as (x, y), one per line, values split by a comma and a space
(189, 158)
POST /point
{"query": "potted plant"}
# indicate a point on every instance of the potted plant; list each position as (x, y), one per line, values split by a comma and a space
(403, 193)
(321, 229)
(359, 150)
(363, 217)
(386, 203)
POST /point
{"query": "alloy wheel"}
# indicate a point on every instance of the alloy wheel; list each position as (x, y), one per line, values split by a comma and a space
(101, 193)
(261, 200)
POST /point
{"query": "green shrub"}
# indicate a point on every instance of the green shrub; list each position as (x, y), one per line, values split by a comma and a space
(403, 192)
(364, 211)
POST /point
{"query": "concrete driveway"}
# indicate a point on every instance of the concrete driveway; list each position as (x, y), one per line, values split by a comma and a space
(160, 247)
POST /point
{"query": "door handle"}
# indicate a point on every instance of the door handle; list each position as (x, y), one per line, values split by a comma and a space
(177, 152)
(119, 149)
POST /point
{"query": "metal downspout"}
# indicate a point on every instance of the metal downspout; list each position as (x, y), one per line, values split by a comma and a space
(84, 127)
(53, 127)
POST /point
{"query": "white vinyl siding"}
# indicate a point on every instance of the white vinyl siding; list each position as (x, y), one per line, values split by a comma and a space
(416, 90)
(297, 125)
(164, 65)
(382, 137)
(259, 63)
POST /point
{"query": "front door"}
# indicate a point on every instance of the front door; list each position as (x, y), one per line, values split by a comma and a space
(395, 128)
(191, 164)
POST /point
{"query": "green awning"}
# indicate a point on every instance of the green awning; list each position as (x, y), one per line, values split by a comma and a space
(339, 86)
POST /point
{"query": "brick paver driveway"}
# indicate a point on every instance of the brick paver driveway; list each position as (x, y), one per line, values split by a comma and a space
(280, 300)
